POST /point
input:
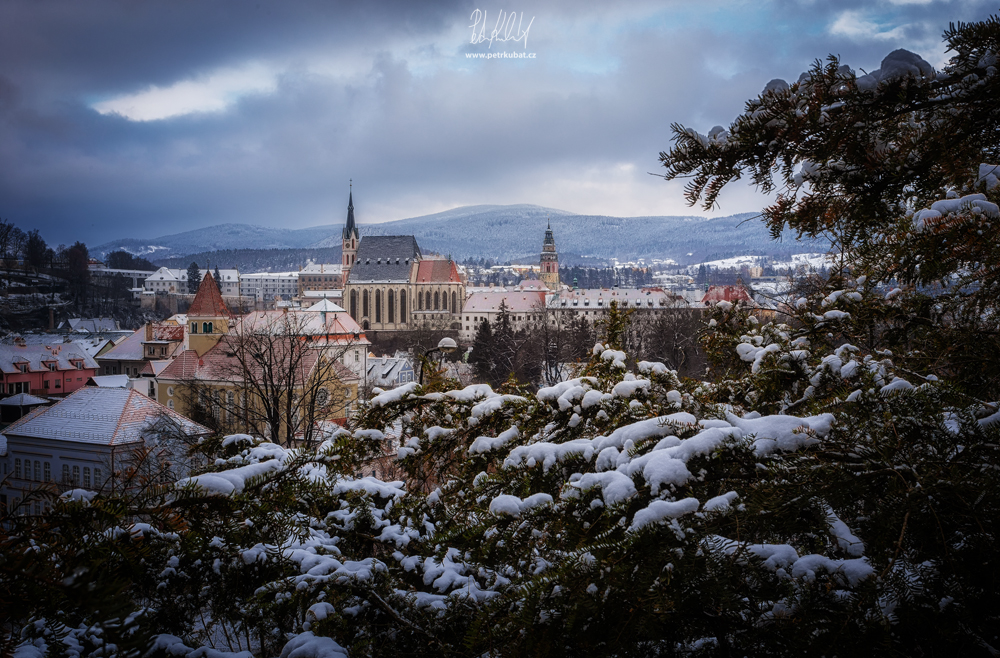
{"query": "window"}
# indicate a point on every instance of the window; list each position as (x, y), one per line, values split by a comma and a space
(46, 384)
(354, 304)
(76, 475)
(38, 471)
(402, 306)
(170, 404)
(97, 478)
(170, 391)
(79, 365)
(58, 383)
(391, 315)
(357, 356)
(23, 367)
(47, 472)
(437, 300)
(17, 468)
(364, 303)
(150, 350)
(163, 351)
(86, 477)
(378, 306)
(454, 303)
(65, 473)
(194, 327)
(322, 397)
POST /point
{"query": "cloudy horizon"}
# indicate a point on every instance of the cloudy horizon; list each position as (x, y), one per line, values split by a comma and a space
(125, 120)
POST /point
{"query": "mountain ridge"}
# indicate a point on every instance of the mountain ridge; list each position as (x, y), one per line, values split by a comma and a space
(503, 232)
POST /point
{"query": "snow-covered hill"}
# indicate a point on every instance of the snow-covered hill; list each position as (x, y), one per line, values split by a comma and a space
(505, 233)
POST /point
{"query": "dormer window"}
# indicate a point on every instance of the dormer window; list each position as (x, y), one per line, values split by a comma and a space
(23, 367)
(51, 365)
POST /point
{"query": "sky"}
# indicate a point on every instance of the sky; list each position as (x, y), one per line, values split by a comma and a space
(123, 119)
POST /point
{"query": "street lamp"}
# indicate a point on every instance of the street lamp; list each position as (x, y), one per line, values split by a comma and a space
(445, 346)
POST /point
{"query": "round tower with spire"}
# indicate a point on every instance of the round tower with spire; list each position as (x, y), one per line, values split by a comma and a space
(350, 236)
(549, 261)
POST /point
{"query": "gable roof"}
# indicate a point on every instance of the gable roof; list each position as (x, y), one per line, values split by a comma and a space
(103, 416)
(385, 258)
(437, 271)
(519, 301)
(129, 349)
(34, 356)
(208, 300)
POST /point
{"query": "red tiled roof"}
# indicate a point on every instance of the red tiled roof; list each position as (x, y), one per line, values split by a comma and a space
(437, 271)
(726, 294)
(208, 301)
(169, 332)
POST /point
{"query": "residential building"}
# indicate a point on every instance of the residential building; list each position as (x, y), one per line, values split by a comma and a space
(593, 304)
(44, 369)
(167, 281)
(269, 286)
(387, 372)
(321, 278)
(233, 367)
(524, 307)
(85, 441)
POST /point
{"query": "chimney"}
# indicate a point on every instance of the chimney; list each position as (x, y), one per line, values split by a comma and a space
(149, 331)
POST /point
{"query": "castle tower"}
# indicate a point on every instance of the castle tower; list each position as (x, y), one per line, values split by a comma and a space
(208, 317)
(549, 261)
(350, 237)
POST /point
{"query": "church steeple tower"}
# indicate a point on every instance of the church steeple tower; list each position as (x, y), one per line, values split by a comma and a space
(351, 237)
(549, 261)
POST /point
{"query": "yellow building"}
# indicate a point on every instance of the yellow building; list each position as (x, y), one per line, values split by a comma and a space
(285, 376)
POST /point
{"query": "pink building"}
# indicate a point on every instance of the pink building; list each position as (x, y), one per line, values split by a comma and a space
(55, 369)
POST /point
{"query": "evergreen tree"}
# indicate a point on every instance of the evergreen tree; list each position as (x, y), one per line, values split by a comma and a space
(482, 357)
(218, 277)
(193, 278)
(34, 249)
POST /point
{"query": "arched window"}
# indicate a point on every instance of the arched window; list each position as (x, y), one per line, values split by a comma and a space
(444, 300)
(402, 306)
(194, 327)
(354, 304)
(206, 327)
(391, 311)
(378, 306)
(437, 300)
(420, 301)
(454, 304)
(428, 300)
(364, 303)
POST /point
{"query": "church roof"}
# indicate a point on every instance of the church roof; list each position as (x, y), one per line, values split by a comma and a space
(437, 271)
(208, 301)
(385, 258)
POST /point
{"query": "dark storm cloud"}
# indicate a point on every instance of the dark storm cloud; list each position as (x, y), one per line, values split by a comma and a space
(384, 94)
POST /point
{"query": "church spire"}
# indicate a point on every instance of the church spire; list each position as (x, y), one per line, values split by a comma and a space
(351, 238)
(350, 230)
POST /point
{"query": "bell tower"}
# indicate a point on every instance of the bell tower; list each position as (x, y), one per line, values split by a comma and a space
(549, 261)
(351, 237)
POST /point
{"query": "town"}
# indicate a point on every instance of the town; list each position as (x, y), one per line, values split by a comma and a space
(519, 397)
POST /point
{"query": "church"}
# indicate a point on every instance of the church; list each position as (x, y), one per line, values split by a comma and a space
(390, 285)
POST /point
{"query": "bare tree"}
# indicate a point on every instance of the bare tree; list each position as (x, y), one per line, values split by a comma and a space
(275, 375)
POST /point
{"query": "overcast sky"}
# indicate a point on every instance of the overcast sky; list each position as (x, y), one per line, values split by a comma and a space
(138, 119)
